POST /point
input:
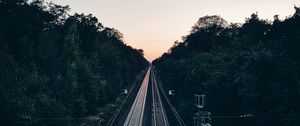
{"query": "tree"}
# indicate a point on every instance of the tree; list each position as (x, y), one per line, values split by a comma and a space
(57, 65)
(252, 68)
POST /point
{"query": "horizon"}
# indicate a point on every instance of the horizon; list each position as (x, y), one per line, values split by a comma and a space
(155, 25)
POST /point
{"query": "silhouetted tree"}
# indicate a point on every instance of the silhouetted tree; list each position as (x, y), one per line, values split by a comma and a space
(56, 65)
(249, 68)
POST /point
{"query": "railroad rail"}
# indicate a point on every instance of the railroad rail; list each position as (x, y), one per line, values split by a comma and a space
(136, 113)
(159, 117)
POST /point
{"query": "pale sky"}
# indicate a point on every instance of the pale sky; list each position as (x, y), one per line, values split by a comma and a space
(154, 25)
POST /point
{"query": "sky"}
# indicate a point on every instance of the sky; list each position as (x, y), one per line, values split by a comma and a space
(154, 25)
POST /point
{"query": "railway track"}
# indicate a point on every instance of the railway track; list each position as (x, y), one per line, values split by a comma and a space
(136, 113)
(159, 117)
(151, 106)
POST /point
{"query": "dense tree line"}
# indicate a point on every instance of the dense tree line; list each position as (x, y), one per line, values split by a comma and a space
(251, 68)
(56, 65)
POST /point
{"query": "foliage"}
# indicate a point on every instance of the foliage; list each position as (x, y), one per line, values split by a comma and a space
(57, 66)
(251, 68)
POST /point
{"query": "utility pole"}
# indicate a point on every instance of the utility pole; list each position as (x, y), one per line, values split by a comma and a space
(201, 118)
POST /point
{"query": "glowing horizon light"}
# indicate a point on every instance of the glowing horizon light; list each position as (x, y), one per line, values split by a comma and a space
(154, 25)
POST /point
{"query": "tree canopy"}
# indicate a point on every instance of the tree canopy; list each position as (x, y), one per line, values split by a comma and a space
(250, 68)
(56, 65)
